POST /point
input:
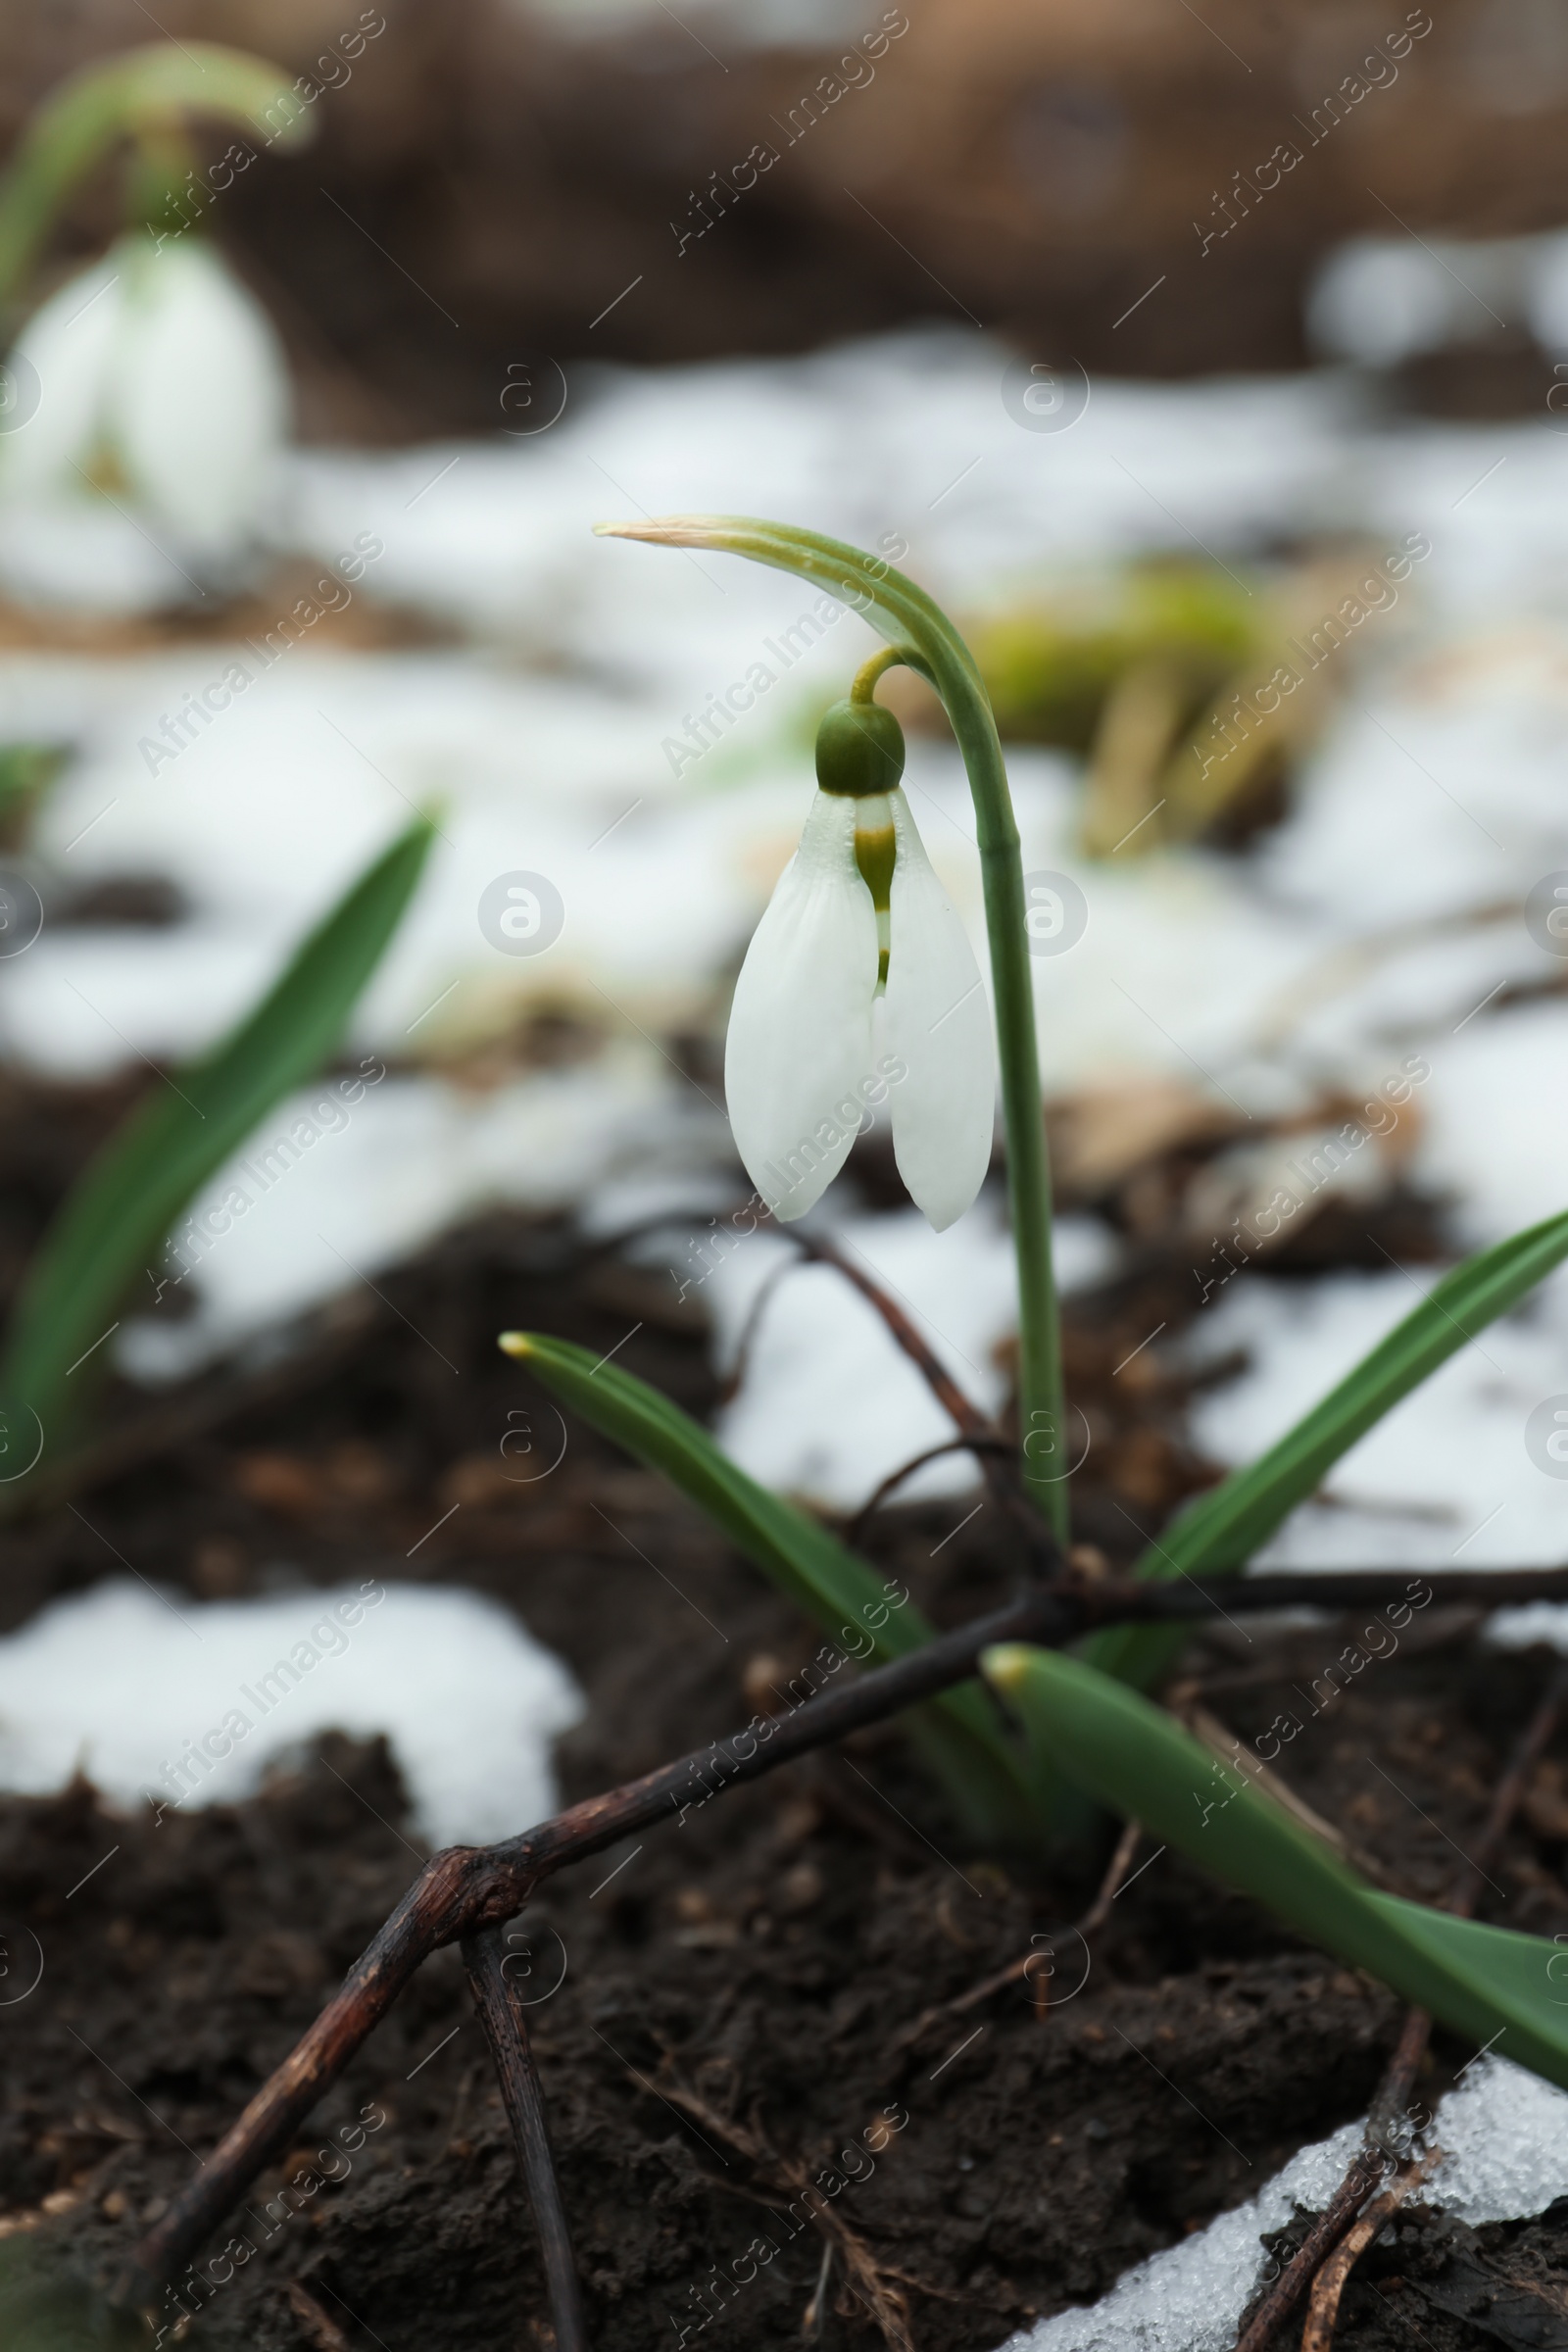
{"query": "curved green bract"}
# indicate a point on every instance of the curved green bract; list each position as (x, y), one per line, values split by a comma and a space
(144, 91)
(1491, 1984)
(927, 641)
(1226, 1526)
(114, 1220)
(959, 1730)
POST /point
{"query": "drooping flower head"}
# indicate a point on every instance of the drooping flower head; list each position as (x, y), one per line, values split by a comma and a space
(162, 387)
(859, 988)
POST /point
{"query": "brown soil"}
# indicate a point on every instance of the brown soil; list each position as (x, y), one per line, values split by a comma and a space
(768, 1960)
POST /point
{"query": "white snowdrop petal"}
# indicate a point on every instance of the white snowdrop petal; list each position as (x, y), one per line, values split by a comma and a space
(200, 396)
(66, 350)
(939, 1024)
(798, 1058)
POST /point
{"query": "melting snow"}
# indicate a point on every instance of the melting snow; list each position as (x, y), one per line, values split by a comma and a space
(137, 1689)
(1505, 2137)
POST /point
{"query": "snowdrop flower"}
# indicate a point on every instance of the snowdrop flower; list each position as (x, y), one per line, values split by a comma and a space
(860, 936)
(160, 385)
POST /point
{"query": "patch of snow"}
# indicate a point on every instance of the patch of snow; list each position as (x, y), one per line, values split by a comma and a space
(1446, 1480)
(1505, 2134)
(328, 1193)
(830, 1404)
(125, 1685)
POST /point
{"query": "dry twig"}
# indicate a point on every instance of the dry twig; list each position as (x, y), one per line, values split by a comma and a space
(505, 2030)
(467, 1889)
(1329, 2285)
(786, 2180)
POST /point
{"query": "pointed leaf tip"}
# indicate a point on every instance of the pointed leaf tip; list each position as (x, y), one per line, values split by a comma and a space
(515, 1343)
(679, 531)
(1007, 1667)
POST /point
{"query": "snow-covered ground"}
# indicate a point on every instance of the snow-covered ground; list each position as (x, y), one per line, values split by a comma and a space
(1382, 928)
(1379, 924)
(188, 1703)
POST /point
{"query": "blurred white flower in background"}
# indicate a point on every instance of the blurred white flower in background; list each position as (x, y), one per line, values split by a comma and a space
(150, 408)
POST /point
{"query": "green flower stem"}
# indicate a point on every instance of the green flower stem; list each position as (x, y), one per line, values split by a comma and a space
(922, 636)
(144, 93)
(875, 666)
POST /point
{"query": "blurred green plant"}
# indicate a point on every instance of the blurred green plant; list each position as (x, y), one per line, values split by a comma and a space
(1138, 674)
(142, 99)
(1049, 667)
(46, 2306)
(115, 1218)
(27, 771)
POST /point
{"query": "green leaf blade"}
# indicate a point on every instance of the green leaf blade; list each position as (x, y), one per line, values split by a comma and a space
(1483, 1981)
(127, 1199)
(807, 1563)
(1225, 1527)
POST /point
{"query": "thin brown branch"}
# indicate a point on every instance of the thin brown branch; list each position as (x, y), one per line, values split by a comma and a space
(1325, 2234)
(734, 1379)
(854, 1532)
(998, 1461)
(965, 1414)
(1093, 1920)
(1329, 2285)
(320, 2326)
(469, 1887)
(505, 2030)
(1111, 1886)
(787, 2181)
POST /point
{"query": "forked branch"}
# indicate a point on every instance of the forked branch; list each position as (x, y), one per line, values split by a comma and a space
(466, 1890)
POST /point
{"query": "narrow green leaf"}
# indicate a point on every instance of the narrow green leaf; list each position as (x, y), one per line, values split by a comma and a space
(846, 1596)
(111, 1224)
(141, 90)
(1223, 1528)
(1490, 1983)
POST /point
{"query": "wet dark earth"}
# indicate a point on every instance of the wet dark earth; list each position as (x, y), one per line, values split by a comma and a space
(769, 1997)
